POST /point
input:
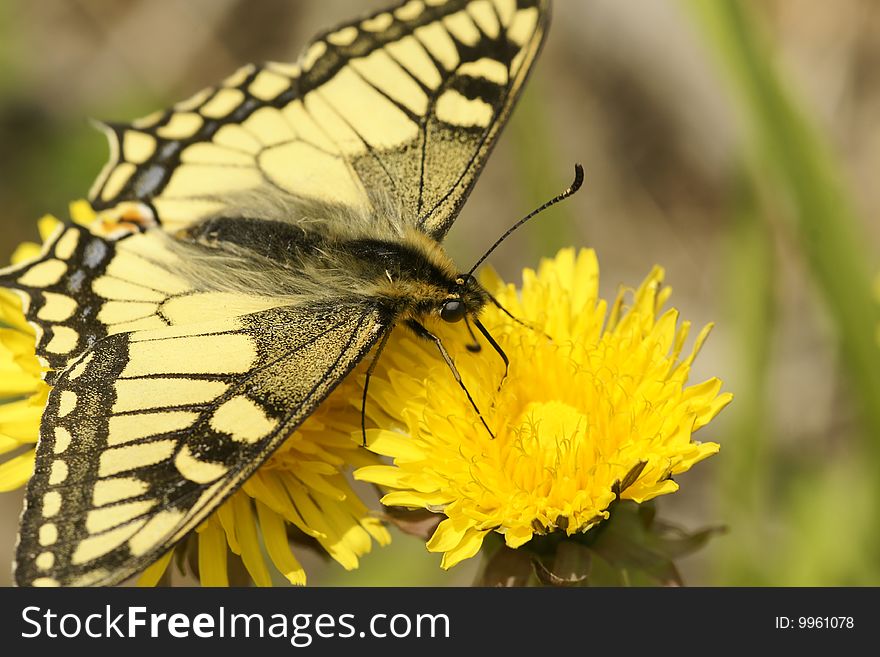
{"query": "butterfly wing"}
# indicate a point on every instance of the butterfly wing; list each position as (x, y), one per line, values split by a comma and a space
(82, 288)
(405, 104)
(147, 432)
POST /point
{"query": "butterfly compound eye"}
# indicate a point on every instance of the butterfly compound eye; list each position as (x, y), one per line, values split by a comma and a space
(452, 311)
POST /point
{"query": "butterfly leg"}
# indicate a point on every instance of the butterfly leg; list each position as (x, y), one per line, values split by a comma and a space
(370, 369)
(474, 346)
(496, 347)
(422, 332)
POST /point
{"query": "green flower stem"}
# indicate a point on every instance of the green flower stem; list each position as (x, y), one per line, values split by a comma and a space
(746, 470)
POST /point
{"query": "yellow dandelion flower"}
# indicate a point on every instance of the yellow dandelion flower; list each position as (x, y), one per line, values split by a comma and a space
(302, 486)
(595, 407)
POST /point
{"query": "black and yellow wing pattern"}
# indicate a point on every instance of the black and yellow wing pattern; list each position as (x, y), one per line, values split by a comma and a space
(171, 387)
(166, 396)
(406, 102)
(146, 432)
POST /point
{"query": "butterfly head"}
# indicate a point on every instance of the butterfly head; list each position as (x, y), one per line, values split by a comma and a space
(465, 298)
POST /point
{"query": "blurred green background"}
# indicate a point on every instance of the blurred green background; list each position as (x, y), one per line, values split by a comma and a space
(735, 143)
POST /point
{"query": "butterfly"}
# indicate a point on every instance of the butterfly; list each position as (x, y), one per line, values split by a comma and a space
(252, 244)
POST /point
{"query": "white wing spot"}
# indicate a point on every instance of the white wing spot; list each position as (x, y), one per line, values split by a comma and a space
(65, 246)
(67, 403)
(454, 109)
(45, 561)
(94, 547)
(138, 146)
(182, 125)
(48, 534)
(208, 354)
(131, 457)
(109, 517)
(484, 16)
(243, 419)
(268, 85)
(410, 11)
(63, 340)
(46, 582)
(51, 503)
(378, 23)
(315, 51)
(486, 68)
(344, 37)
(463, 28)
(194, 469)
(58, 472)
(62, 440)
(222, 104)
(523, 26)
(43, 274)
(107, 491)
(128, 428)
(56, 307)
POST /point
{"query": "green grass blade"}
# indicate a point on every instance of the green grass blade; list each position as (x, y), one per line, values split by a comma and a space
(805, 171)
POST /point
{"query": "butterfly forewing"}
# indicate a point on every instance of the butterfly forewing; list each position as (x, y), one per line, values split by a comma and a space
(405, 104)
(148, 432)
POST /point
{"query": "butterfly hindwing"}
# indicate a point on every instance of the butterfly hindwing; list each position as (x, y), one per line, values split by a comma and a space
(82, 288)
(148, 432)
(54, 290)
(399, 108)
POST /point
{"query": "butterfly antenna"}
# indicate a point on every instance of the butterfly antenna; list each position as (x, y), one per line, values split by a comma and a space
(576, 185)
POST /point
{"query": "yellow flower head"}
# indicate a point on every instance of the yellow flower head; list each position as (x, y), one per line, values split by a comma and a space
(595, 406)
(301, 487)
